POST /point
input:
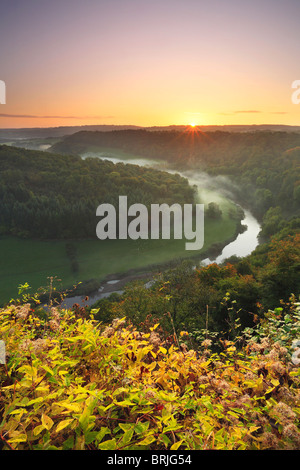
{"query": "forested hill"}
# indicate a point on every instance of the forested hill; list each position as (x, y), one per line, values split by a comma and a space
(47, 195)
(9, 134)
(263, 167)
(191, 146)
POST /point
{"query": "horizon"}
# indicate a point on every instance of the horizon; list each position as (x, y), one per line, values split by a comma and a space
(76, 63)
(190, 127)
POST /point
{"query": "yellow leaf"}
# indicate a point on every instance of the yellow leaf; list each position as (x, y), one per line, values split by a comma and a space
(71, 406)
(63, 424)
(35, 400)
(176, 445)
(47, 369)
(80, 441)
(253, 428)
(47, 422)
(18, 411)
(38, 429)
(151, 366)
(145, 442)
(163, 350)
(18, 438)
(275, 382)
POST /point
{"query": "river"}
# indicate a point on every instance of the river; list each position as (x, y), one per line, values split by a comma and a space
(209, 189)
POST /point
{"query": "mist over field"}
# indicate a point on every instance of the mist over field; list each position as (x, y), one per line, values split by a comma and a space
(212, 188)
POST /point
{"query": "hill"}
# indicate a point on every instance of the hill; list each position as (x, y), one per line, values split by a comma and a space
(50, 196)
(186, 147)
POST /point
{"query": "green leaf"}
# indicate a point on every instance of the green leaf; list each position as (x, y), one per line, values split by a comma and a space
(103, 431)
(208, 405)
(126, 438)
(140, 428)
(68, 443)
(165, 439)
(90, 436)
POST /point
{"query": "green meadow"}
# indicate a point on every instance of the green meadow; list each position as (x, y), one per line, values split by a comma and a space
(34, 261)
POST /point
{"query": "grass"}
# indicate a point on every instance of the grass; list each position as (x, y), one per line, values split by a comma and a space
(33, 261)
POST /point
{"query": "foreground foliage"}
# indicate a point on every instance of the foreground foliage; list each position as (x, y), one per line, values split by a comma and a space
(73, 383)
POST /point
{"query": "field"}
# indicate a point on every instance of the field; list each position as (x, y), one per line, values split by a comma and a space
(33, 261)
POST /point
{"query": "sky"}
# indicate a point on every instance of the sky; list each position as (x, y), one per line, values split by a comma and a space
(149, 63)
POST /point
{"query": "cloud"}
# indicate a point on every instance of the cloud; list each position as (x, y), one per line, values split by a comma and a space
(35, 116)
(251, 111)
(243, 111)
(246, 111)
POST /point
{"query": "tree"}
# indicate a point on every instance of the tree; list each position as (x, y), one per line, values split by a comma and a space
(213, 211)
(280, 277)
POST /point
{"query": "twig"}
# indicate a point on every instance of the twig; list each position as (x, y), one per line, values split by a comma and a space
(5, 441)
(175, 335)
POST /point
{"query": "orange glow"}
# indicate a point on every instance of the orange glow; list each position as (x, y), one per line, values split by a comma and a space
(130, 66)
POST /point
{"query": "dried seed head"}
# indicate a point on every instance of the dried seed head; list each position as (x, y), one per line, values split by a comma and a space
(284, 411)
(54, 325)
(269, 440)
(108, 332)
(206, 343)
(22, 311)
(291, 431)
(55, 314)
(154, 339)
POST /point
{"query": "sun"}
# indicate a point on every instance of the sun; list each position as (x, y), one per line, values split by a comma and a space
(193, 124)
